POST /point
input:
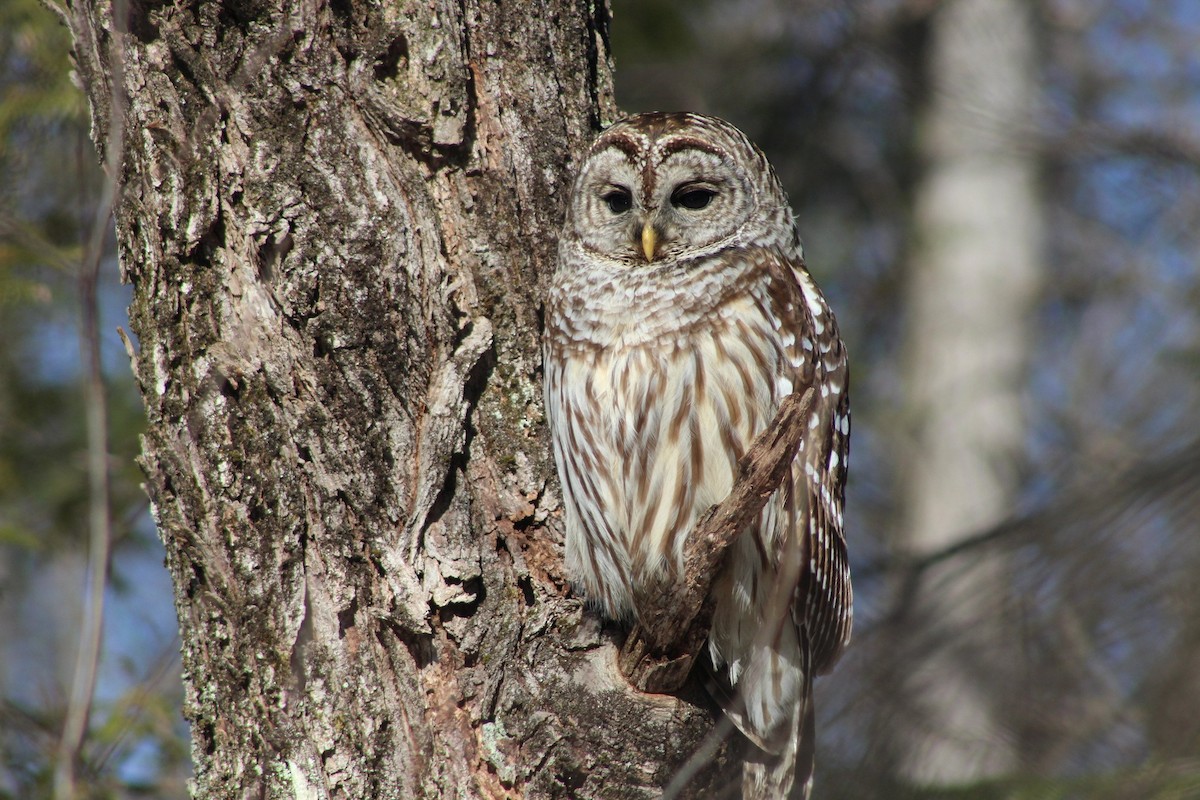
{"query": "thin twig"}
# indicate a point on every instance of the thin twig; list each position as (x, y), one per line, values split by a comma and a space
(705, 752)
(134, 704)
(1149, 479)
(83, 684)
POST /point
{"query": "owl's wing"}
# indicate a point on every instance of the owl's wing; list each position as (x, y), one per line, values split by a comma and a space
(812, 596)
(815, 356)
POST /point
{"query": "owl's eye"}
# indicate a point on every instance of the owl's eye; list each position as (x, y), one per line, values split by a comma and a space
(619, 200)
(692, 197)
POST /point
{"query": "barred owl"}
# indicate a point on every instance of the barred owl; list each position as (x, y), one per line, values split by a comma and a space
(679, 317)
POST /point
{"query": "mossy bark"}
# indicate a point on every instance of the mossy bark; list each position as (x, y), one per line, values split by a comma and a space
(337, 220)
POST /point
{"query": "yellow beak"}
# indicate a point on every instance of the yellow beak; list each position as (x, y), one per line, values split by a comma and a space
(649, 241)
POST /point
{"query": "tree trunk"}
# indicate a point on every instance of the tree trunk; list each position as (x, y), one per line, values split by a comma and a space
(973, 276)
(337, 220)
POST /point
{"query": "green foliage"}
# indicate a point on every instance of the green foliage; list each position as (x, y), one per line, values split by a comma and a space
(41, 116)
(41, 113)
(652, 30)
(35, 78)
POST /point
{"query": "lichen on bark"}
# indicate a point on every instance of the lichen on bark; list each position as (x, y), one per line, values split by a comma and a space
(337, 220)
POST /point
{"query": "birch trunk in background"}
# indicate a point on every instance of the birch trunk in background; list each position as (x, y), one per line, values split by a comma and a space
(974, 271)
(338, 219)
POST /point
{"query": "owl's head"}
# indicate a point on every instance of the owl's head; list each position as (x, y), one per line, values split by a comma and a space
(656, 188)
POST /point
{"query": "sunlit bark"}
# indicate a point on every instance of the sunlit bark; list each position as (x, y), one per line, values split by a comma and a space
(337, 220)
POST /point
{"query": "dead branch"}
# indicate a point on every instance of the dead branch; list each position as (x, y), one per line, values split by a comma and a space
(675, 614)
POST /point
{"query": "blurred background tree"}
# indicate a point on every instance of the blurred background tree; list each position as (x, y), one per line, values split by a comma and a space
(50, 246)
(999, 198)
(1000, 201)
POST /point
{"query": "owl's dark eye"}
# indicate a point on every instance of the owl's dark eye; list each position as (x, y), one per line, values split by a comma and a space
(619, 200)
(692, 197)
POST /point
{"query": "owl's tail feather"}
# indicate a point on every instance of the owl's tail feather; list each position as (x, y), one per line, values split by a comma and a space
(787, 774)
(771, 703)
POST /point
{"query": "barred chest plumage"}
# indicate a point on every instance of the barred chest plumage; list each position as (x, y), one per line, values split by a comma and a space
(661, 390)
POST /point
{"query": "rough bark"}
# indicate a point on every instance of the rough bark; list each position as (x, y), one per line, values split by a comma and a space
(337, 220)
(974, 272)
